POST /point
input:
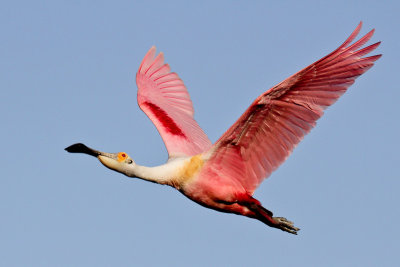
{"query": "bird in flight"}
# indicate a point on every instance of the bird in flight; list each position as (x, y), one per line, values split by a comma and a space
(223, 176)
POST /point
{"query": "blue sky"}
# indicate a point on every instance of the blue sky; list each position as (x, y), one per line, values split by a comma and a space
(67, 75)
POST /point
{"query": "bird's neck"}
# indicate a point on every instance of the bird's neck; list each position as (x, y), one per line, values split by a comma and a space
(170, 173)
(176, 172)
(158, 174)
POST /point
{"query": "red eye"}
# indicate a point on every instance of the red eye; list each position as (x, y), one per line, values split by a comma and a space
(122, 156)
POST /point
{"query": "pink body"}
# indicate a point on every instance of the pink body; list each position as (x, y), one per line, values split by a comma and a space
(226, 174)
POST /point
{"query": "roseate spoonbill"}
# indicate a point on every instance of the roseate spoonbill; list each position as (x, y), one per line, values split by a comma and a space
(223, 176)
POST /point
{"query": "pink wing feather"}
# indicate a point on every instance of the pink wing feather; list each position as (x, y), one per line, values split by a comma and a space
(166, 101)
(265, 135)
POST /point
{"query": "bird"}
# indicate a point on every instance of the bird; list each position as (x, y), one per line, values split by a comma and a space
(223, 176)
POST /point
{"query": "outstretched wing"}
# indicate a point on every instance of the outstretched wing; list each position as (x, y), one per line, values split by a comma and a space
(265, 135)
(166, 101)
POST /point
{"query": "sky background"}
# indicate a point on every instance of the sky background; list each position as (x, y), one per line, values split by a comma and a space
(67, 75)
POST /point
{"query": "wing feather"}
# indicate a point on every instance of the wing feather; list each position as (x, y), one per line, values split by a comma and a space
(166, 101)
(265, 135)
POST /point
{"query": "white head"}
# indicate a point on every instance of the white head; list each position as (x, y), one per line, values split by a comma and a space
(120, 162)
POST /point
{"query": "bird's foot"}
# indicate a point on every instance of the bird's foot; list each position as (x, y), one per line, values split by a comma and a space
(285, 225)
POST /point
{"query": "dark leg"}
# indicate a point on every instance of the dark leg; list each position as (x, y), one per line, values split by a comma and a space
(264, 215)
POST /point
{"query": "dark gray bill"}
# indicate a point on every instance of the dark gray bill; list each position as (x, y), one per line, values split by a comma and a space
(81, 148)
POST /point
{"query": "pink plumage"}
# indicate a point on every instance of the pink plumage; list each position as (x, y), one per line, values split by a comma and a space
(224, 176)
(261, 139)
(265, 135)
(165, 100)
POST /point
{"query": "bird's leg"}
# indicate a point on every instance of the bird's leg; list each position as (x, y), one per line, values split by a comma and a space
(266, 216)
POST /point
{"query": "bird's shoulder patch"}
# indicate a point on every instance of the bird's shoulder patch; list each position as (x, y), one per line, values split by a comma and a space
(188, 171)
(191, 168)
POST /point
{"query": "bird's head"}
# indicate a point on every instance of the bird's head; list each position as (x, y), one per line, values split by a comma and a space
(120, 162)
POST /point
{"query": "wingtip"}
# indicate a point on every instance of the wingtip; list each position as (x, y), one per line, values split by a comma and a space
(147, 58)
(152, 49)
(151, 52)
(378, 57)
(358, 28)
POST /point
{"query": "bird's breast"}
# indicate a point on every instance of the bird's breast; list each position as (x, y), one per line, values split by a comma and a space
(188, 171)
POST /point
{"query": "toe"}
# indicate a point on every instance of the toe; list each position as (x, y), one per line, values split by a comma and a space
(286, 225)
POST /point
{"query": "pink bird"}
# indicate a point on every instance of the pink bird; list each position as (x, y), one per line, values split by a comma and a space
(223, 176)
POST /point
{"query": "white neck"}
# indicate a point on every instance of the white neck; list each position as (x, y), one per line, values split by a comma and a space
(163, 174)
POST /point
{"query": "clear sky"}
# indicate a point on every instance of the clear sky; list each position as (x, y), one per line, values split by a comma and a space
(67, 75)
